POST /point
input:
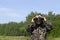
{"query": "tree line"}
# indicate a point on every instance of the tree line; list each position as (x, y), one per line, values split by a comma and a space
(19, 29)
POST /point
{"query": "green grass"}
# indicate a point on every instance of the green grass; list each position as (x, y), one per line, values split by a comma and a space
(21, 38)
(14, 38)
(51, 38)
(57, 38)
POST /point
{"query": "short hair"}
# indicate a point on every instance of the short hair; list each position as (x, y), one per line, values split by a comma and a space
(38, 14)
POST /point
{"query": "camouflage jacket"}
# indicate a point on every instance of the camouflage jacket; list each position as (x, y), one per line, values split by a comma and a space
(39, 32)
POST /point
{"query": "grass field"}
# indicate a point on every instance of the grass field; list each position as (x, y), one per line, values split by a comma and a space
(14, 38)
(53, 38)
(57, 38)
(20, 38)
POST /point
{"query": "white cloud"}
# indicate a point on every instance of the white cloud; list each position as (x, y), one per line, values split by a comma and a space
(10, 0)
(6, 9)
(13, 15)
(8, 15)
(7, 12)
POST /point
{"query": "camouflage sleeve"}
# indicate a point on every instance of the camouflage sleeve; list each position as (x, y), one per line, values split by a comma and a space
(48, 26)
(29, 28)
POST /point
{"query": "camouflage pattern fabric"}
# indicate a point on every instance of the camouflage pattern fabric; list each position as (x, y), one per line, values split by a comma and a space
(40, 32)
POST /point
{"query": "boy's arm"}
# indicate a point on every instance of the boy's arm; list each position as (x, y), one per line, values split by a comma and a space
(48, 26)
(30, 28)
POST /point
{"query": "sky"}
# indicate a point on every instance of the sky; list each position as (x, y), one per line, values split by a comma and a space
(18, 10)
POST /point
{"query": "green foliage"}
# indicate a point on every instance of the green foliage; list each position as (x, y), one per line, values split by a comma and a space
(19, 29)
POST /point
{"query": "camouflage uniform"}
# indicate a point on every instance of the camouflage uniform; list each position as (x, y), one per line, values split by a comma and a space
(39, 32)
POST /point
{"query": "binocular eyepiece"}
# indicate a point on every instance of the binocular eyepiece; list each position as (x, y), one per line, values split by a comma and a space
(38, 19)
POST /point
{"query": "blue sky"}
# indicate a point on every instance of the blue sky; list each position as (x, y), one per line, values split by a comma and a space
(17, 10)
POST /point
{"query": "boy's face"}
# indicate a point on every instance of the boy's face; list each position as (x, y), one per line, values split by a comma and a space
(37, 16)
(37, 22)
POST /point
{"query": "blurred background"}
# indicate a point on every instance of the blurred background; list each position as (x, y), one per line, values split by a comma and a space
(15, 15)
